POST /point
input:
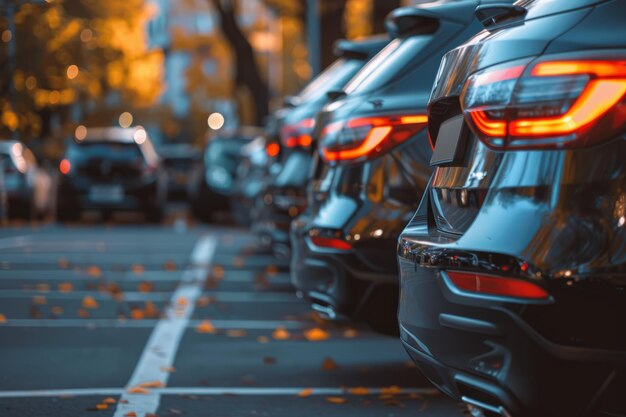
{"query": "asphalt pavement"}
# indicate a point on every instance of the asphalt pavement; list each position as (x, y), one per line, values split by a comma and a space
(181, 320)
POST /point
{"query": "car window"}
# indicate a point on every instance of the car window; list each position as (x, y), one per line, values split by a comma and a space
(387, 64)
(333, 78)
(83, 153)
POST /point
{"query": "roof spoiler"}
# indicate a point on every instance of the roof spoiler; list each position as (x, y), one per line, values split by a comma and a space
(492, 14)
(412, 20)
(365, 48)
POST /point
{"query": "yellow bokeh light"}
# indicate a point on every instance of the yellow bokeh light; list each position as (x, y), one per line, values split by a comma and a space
(72, 72)
(125, 119)
(86, 35)
(7, 35)
(80, 133)
(216, 121)
(140, 136)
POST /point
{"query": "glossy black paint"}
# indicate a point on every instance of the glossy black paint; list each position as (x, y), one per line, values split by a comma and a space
(369, 203)
(555, 218)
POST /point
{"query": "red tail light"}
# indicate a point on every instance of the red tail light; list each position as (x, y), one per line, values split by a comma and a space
(363, 138)
(498, 286)
(298, 135)
(65, 166)
(553, 103)
(272, 149)
(331, 243)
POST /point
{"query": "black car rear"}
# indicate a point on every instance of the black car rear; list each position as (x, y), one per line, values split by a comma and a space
(512, 270)
(373, 168)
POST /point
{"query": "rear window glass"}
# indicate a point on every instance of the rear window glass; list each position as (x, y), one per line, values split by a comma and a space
(539, 8)
(387, 64)
(333, 78)
(110, 151)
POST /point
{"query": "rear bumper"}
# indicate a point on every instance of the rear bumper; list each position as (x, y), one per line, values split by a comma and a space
(136, 196)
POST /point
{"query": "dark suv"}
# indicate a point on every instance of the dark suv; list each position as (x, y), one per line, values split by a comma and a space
(513, 269)
(372, 169)
(110, 169)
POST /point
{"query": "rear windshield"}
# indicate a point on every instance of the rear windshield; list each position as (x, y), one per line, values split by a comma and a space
(539, 8)
(387, 64)
(333, 78)
(111, 151)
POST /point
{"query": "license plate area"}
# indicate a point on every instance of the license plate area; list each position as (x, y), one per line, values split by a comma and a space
(106, 194)
(451, 143)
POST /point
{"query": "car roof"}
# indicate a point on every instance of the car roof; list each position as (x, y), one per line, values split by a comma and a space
(110, 134)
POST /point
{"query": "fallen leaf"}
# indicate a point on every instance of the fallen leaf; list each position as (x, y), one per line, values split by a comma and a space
(152, 384)
(182, 301)
(138, 269)
(204, 301)
(281, 334)
(271, 270)
(359, 391)
(137, 314)
(205, 326)
(94, 271)
(109, 400)
(268, 360)
(65, 287)
(130, 414)
(263, 339)
(307, 392)
(350, 334)
(34, 312)
(63, 263)
(218, 272)
(40, 300)
(90, 302)
(336, 400)
(82, 313)
(57, 310)
(102, 406)
(169, 266)
(329, 365)
(145, 286)
(236, 333)
(150, 309)
(43, 287)
(316, 334)
(392, 390)
(3, 319)
(168, 369)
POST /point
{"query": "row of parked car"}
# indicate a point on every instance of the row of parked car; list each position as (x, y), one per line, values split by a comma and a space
(461, 182)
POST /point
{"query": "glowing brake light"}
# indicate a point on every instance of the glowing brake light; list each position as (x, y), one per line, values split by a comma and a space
(366, 137)
(554, 103)
(298, 135)
(272, 149)
(496, 286)
(65, 166)
(330, 243)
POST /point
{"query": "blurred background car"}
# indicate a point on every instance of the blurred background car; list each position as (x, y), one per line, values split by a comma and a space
(372, 168)
(26, 186)
(513, 269)
(285, 194)
(110, 169)
(179, 161)
(212, 183)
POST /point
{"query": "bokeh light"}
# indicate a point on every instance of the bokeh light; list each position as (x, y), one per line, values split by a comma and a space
(7, 36)
(72, 72)
(86, 35)
(80, 133)
(140, 136)
(125, 120)
(216, 121)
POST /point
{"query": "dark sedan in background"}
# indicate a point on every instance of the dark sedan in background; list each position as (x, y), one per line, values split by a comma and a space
(513, 270)
(373, 168)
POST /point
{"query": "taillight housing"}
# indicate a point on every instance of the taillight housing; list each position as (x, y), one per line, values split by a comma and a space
(298, 135)
(364, 138)
(554, 102)
(496, 286)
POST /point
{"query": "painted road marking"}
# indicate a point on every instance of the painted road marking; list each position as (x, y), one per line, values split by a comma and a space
(149, 323)
(209, 391)
(14, 242)
(160, 351)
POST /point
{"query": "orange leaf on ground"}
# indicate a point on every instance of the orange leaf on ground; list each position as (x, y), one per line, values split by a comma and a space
(204, 301)
(94, 271)
(40, 300)
(359, 391)
(150, 309)
(82, 313)
(130, 414)
(102, 406)
(236, 333)
(138, 269)
(392, 390)
(66, 287)
(336, 400)
(168, 369)
(43, 287)
(350, 334)
(63, 263)
(3, 319)
(152, 384)
(263, 339)
(182, 301)
(218, 272)
(205, 326)
(169, 266)
(329, 365)
(271, 270)
(316, 334)
(145, 286)
(307, 392)
(281, 334)
(138, 390)
(136, 314)
(109, 401)
(57, 310)
(90, 302)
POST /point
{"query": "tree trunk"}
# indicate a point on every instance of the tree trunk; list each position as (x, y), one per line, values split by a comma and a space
(247, 70)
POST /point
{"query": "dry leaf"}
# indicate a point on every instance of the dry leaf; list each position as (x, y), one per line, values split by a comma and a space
(359, 391)
(145, 286)
(150, 309)
(271, 270)
(263, 339)
(307, 392)
(57, 310)
(168, 369)
(3, 319)
(94, 271)
(336, 400)
(350, 334)
(205, 327)
(43, 287)
(138, 390)
(236, 333)
(109, 401)
(152, 384)
(90, 302)
(65, 287)
(130, 414)
(40, 300)
(218, 272)
(136, 314)
(63, 263)
(329, 365)
(281, 334)
(182, 301)
(82, 313)
(102, 406)
(316, 334)
(392, 390)
(204, 301)
(138, 269)
(169, 266)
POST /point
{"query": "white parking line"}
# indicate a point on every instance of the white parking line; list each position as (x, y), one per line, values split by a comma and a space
(149, 323)
(14, 242)
(160, 351)
(211, 391)
(218, 296)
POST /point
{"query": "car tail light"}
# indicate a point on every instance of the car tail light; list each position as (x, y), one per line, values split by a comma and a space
(272, 149)
(496, 286)
(65, 166)
(548, 103)
(364, 138)
(298, 135)
(330, 243)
